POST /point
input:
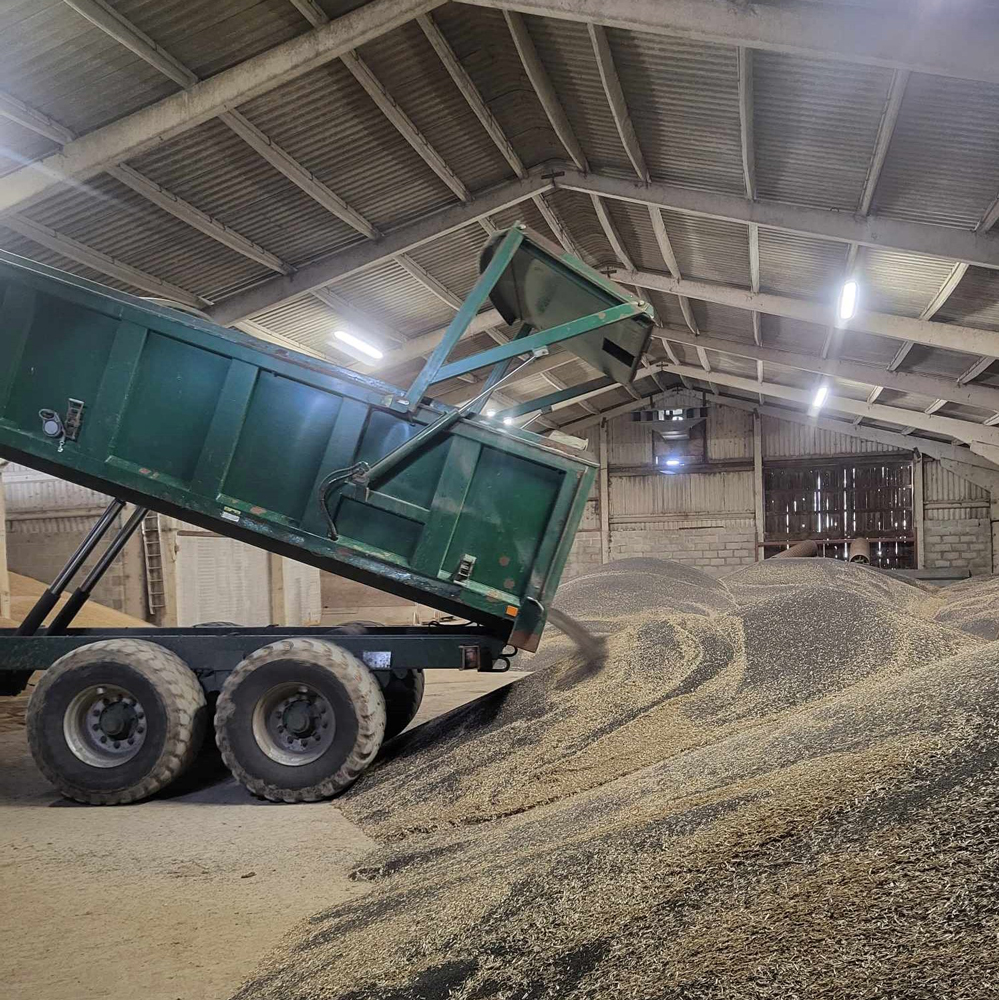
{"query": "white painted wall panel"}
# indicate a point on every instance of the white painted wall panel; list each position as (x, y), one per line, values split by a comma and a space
(219, 579)
(949, 497)
(27, 490)
(700, 493)
(302, 600)
(730, 433)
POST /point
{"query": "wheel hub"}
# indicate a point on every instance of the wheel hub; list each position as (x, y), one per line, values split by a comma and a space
(104, 726)
(293, 724)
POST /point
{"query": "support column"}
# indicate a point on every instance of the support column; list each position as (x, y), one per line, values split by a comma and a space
(918, 511)
(169, 547)
(758, 484)
(604, 496)
(4, 575)
(994, 520)
(275, 564)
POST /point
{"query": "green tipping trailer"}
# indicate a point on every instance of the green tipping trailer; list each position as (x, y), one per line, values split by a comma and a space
(433, 503)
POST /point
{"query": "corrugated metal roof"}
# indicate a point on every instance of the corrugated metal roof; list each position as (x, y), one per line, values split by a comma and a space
(634, 227)
(453, 259)
(577, 215)
(815, 124)
(210, 37)
(684, 103)
(936, 361)
(332, 127)
(943, 163)
(485, 47)
(732, 364)
(792, 335)
(407, 66)
(211, 167)
(801, 265)
(567, 54)
(962, 412)
(898, 282)
(394, 293)
(723, 321)
(306, 320)
(529, 214)
(58, 63)
(709, 249)
(859, 346)
(109, 217)
(19, 145)
(975, 301)
(16, 243)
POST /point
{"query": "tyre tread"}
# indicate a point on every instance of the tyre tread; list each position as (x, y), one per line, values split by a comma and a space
(183, 700)
(365, 695)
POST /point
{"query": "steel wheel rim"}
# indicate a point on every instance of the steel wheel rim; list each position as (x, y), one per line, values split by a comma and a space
(104, 725)
(293, 724)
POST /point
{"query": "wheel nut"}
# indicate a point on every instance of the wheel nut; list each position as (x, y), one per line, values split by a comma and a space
(280, 729)
(104, 739)
(117, 745)
(96, 727)
(317, 737)
(140, 715)
(131, 740)
(141, 729)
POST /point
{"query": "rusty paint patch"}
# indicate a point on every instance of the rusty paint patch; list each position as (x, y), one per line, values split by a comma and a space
(504, 560)
(509, 583)
(258, 510)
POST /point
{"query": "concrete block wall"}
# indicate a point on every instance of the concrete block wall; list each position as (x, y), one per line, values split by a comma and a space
(959, 544)
(39, 546)
(585, 554)
(715, 547)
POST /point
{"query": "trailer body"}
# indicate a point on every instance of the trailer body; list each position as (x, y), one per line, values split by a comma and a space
(471, 515)
(236, 435)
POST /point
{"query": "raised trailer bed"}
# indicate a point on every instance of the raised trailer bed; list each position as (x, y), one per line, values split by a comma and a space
(378, 484)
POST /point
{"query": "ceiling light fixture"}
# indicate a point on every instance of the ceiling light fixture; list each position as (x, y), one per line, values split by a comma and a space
(821, 394)
(848, 301)
(359, 345)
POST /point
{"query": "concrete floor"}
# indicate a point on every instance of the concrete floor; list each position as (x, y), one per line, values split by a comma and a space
(177, 898)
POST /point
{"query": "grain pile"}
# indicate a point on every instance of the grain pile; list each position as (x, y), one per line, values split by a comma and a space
(972, 606)
(24, 592)
(790, 793)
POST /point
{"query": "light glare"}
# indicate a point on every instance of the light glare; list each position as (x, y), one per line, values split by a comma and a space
(508, 420)
(848, 300)
(820, 397)
(359, 345)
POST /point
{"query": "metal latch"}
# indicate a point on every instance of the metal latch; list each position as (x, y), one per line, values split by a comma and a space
(64, 428)
(464, 570)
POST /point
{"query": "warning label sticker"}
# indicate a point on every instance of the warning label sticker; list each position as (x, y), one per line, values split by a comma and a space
(228, 514)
